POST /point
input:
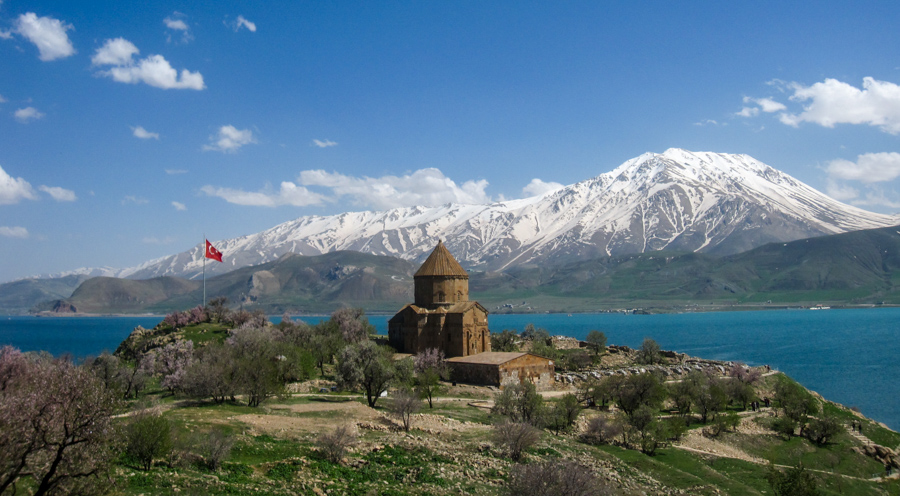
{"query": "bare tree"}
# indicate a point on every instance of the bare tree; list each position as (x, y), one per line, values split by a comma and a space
(334, 445)
(515, 437)
(404, 406)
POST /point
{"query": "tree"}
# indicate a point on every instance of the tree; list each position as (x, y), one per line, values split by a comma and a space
(794, 400)
(515, 437)
(649, 352)
(404, 405)
(505, 340)
(149, 436)
(520, 402)
(213, 373)
(602, 429)
(563, 414)
(822, 430)
(55, 424)
(709, 396)
(599, 392)
(325, 342)
(430, 369)
(368, 366)
(597, 340)
(353, 324)
(217, 308)
(682, 394)
(555, 478)
(171, 362)
(258, 357)
(640, 390)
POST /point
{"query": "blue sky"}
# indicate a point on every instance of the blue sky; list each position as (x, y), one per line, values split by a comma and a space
(128, 130)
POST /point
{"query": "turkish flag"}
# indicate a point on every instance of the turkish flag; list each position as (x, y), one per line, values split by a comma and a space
(212, 252)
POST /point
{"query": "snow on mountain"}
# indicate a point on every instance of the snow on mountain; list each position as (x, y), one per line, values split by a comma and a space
(677, 200)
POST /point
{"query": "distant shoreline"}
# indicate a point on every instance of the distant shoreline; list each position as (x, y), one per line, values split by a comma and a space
(646, 310)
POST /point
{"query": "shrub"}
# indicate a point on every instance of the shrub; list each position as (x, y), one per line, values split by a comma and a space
(148, 436)
(504, 341)
(520, 402)
(515, 437)
(554, 478)
(792, 482)
(723, 423)
(334, 445)
(602, 430)
(563, 414)
(215, 447)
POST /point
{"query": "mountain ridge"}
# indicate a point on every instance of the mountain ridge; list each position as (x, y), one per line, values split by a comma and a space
(678, 200)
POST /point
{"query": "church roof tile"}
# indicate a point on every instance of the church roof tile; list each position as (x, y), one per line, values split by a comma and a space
(441, 263)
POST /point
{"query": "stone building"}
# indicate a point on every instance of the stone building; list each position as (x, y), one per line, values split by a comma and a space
(442, 316)
(500, 368)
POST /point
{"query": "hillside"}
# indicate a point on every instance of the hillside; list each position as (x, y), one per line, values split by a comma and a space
(455, 446)
(861, 267)
(292, 283)
(18, 297)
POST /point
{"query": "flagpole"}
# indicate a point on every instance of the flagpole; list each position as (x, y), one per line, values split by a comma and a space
(204, 270)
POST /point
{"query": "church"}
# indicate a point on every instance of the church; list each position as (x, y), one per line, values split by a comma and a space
(442, 316)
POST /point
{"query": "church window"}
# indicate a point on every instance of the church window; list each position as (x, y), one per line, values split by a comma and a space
(459, 296)
(440, 296)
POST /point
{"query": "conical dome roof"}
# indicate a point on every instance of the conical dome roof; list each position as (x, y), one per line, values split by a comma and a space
(441, 263)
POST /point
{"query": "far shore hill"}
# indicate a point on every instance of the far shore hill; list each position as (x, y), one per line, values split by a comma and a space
(852, 270)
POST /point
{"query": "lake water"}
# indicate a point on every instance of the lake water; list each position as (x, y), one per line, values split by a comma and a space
(848, 356)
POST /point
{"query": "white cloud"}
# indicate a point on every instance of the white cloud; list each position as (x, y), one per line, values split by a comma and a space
(230, 139)
(59, 194)
(137, 200)
(868, 168)
(840, 192)
(242, 22)
(118, 51)
(153, 240)
(879, 199)
(27, 114)
(768, 105)
(47, 34)
(173, 172)
(289, 194)
(13, 232)
(324, 144)
(154, 70)
(179, 206)
(835, 102)
(14, 189)
(748, 112)
(427, 187)
(537, 187)
(140, 132)
(3, 100)
(175, 22)
(423, 187)
(707, 122)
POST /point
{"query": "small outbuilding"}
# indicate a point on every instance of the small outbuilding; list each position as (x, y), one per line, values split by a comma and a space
(495, 368)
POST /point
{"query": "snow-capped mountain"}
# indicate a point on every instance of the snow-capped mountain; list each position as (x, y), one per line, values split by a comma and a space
(677, 200)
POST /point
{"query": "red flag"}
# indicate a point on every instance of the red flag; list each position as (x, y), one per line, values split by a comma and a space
(212, 252)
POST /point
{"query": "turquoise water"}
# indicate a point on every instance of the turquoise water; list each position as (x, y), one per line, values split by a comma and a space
(849, 356)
